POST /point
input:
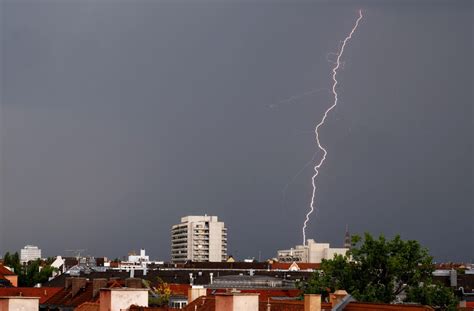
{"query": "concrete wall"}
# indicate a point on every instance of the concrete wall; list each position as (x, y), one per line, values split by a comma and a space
(312, 302)
(19, 304)
(248, 302)
(237, 302)
(316, 251)
(330, 252)
(196, 292)
(116, 299)
(215, 241)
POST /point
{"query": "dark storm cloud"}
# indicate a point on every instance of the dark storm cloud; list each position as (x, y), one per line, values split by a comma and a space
(118, 118)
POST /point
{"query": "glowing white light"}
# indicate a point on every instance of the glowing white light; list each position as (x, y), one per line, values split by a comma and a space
(316, 130)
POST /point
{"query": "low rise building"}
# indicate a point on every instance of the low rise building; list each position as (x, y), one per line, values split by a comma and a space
(139, 258)
(311, 252)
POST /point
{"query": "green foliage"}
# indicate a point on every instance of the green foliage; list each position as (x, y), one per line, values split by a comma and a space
(435, 295)
(34, 273)
(162, 292)
(31, 273)
(377, 270)
(12, 261)
(335, 274)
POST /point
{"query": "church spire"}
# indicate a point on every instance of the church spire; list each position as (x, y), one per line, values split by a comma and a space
(347, 238)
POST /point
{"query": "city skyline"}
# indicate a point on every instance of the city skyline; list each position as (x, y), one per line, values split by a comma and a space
(118, 120)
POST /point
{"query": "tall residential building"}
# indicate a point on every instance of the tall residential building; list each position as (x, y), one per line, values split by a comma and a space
(30, 252)
(311, 252)
(199, 238)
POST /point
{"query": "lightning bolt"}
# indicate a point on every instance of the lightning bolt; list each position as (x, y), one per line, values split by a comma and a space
(321, 123)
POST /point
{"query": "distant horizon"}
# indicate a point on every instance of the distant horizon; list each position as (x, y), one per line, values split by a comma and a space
(168, 259)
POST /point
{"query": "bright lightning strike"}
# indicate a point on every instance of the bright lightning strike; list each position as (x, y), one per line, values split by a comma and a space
(316, 130)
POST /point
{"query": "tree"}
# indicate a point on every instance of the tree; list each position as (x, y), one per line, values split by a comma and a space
(7, 258)
(438, 296)
(378, 270)
(30, 273)
(12, 261)
(35, 272)
(335, 274)
(161, 294)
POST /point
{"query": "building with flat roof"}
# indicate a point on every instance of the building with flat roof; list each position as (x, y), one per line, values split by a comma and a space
(199, 239)
(30, 252)
(311, 252)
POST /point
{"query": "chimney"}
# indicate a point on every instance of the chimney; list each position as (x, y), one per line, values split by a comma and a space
(19, 303)
(97, 284)
(453, 278)
(122, 298)
(336, 297)
(312, 302)
(195, 292)
(133, 283)
(237, 301)
(67, 283)
(77, 285)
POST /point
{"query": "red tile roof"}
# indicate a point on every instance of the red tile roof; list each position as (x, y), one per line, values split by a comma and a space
(43, 293)
(204, 303)
(85, 294)
(88, 306)
(209, 304)
(301, 266)
(179, 289)
(64, 297)
(5, 271)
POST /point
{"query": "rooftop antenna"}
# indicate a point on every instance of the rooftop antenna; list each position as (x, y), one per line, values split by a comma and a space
(76, 252)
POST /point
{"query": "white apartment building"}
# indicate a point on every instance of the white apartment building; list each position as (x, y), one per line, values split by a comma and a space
(29, 252)
(199, 238)
(312, 252)
(142, 258)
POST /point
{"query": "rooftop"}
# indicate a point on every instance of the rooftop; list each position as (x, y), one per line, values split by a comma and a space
(5, 271)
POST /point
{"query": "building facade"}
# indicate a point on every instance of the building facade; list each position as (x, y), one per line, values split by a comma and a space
(312, 252)
(199, 239)
(30, 252)
(142, 258)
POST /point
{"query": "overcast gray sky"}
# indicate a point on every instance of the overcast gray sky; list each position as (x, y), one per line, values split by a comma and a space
(120, 117)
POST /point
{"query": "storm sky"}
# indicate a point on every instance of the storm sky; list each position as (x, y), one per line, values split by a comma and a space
(120, 117)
